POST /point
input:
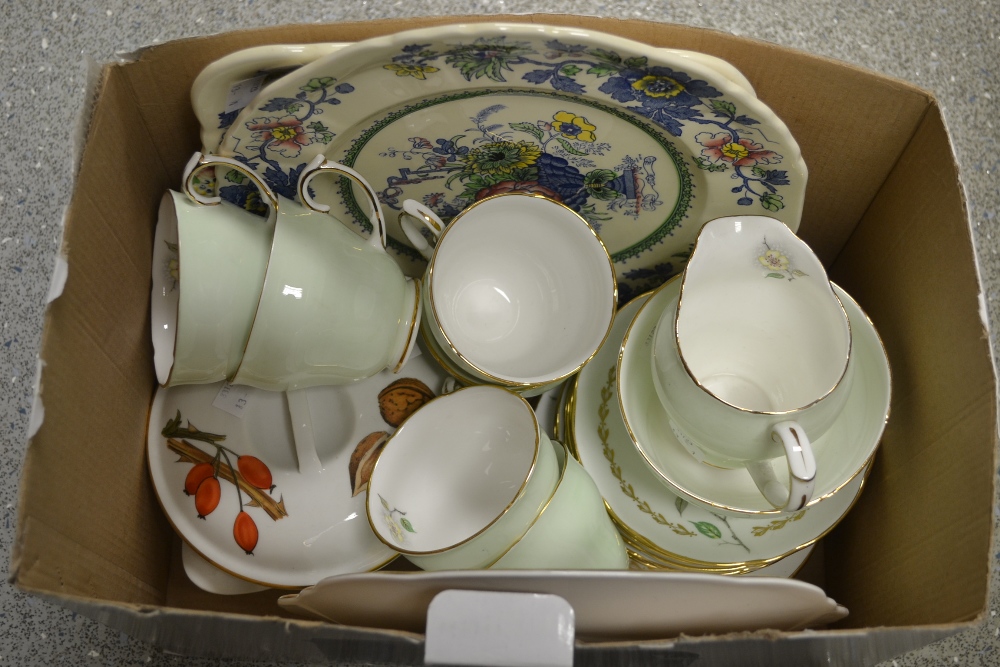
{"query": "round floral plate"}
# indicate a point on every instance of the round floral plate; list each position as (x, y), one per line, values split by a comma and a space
(644, 508)
(228, 84)
(647, 145)
(223, 465)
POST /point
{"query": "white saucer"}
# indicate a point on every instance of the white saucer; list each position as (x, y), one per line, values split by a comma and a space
(211, 579)
(608, 605)
(645, 508)
(842, 453)
(310, 525)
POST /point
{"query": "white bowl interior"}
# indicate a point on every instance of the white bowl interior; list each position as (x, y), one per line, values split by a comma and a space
(452, 469)
(165, 293)
(523, 288)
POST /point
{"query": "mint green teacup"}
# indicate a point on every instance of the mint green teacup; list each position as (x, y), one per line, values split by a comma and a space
(573, 530)
(334, 308)
(207, 273)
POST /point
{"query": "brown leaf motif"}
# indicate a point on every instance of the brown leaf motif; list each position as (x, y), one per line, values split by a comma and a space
(363, 460)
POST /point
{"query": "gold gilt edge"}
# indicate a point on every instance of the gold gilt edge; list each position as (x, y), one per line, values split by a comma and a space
(640, 541)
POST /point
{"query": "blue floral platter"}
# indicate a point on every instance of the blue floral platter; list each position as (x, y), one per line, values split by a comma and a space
(646, 144)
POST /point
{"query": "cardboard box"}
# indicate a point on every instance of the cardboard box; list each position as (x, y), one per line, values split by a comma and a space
(884, 210)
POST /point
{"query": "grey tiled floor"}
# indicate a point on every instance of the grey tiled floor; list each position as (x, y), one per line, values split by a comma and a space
(48, 49)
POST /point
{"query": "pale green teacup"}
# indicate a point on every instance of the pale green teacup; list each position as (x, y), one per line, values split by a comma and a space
(462, 479)
(573, 531)
(335, 308)
(208, 269)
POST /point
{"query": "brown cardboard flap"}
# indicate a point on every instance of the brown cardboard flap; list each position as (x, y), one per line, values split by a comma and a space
(915, 548)
(88, 523)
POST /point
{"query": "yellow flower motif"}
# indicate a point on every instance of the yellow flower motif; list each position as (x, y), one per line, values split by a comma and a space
(284, 133)
(502, 157)
(735, 151)
(658, 86)
(416, 71)
(572, 126)
(774, 260)
(174, 269)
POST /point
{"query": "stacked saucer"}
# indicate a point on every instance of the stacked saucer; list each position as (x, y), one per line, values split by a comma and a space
(662, 528)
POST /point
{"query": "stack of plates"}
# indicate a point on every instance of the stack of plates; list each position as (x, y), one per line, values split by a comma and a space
(662, 530)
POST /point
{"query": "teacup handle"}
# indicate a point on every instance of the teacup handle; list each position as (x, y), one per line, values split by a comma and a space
(321, 165)
(302, 431)
(801, 465)
(200, 161)
(414, 212)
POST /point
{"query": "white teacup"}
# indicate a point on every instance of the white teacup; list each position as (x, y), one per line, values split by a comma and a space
(752, 360)
(520, 290)
(334, 308)
(462, 479)
(573, 531)
(208, 270)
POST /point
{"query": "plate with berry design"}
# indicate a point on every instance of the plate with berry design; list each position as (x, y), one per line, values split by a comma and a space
(644, 143)
(223, 464)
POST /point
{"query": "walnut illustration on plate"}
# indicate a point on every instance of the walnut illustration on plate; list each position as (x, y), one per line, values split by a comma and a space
(401, 399)
(363, 460)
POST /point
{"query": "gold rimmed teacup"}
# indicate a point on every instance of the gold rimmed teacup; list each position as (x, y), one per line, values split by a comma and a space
(519, 290)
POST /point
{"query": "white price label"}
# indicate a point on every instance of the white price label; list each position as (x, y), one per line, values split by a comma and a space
(232, 399)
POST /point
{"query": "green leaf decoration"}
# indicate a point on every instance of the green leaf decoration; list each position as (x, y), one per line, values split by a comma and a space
(596, 182)
(723, 107)
(172, 247)
(568, 147)
(609, 56)
(775, 275)
(405, 523)
(569, 70)
(384, 504)
(318, 126)
(235, 176)
(457, 174)
(703, 163)
(772, 202)
(637, 62)
(318, 84)
(530, 128)
(680, 504)
(602, 70)
(707, 529)
(757, 171)
(523, 174)
(799, 273)
(599, 177)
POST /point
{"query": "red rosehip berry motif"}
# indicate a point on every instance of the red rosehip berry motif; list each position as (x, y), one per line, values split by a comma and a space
(245, 532)
(206, 499)
(196, 476)
(250, 476)
(255, 472)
